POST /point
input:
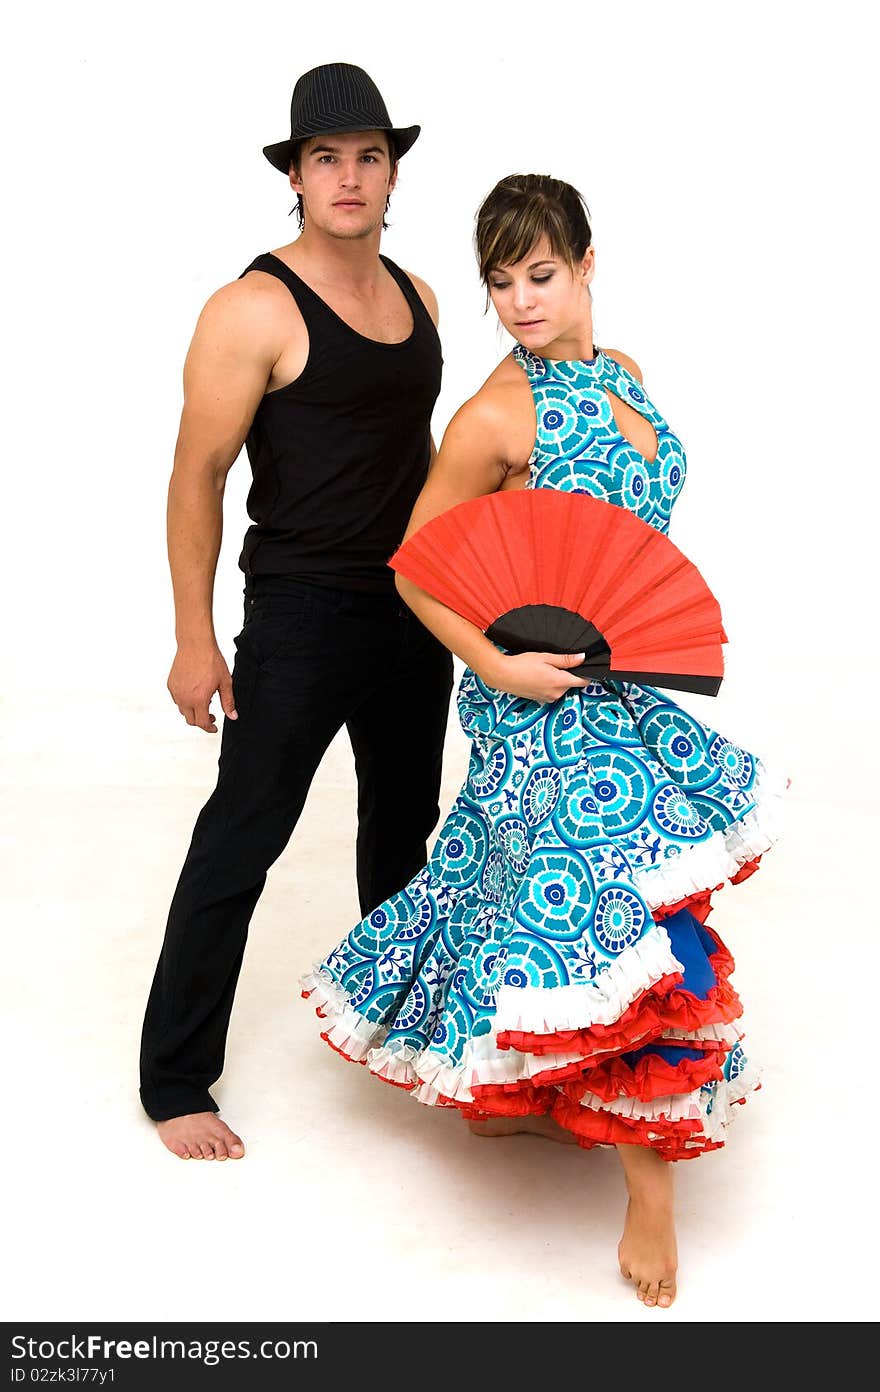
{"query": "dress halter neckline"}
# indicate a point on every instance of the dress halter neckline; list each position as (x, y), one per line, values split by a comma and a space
(536, 365)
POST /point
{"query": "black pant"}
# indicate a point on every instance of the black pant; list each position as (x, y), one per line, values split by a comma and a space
(309, 660)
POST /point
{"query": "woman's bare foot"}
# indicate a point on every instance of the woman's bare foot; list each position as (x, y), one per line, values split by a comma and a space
(529, 1125)
(647, 1252)
(200, 1136)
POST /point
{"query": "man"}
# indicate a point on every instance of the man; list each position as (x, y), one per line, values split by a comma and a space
(323, 357)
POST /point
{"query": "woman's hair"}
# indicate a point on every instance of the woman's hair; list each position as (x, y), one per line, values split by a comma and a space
(522, 209)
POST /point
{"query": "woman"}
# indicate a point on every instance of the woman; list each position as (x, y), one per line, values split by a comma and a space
(550, 969)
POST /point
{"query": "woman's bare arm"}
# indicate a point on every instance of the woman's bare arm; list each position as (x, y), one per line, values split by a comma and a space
(473, 461)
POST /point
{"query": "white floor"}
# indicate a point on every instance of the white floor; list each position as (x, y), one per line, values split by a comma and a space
(353, 1201)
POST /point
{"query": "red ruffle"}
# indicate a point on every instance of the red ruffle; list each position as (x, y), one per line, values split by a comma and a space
(645, 1019)
(746, 870)
(562, 1041)
(557, 1091)
(652, 1077)
(699, 904)
(667, 1138)
(665, 1005)
(325, 1035)
(509, 1099)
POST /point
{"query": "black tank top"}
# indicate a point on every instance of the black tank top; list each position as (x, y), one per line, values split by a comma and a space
(339, 455)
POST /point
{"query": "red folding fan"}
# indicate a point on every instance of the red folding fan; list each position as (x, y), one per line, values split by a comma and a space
(542, 571)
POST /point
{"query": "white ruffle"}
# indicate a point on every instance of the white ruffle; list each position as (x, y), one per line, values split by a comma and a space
(723, 1098)
(544, 1010)
(704, 866)
(693, 869)
(540, 1010)
(346, 1029)
(430, 1076)
(531, 1009)
(712, 1106)
(484, 1063)
(679, 1107)
(728, 1035)
(396, 1064)
(437, 1074)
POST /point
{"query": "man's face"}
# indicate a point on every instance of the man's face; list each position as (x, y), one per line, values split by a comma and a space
(345, 181)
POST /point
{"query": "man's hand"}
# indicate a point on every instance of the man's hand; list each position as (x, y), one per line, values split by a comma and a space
(536, 676)
(196, 673)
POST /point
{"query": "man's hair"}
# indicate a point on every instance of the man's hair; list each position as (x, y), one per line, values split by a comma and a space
(295, 154)
(522, 209)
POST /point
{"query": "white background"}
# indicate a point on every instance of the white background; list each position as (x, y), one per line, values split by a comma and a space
(726, 155)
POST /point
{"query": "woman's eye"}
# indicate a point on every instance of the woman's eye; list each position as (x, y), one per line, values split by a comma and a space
(496, 286)
(542, 280)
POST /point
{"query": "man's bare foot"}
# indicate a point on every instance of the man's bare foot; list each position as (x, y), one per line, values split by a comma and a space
(647, 1251)
(200, 1136)
(529, 1125)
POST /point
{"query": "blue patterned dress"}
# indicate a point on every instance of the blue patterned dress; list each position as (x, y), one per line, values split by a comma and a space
(553, 955)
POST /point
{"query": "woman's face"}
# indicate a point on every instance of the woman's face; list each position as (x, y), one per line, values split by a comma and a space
(541, 299)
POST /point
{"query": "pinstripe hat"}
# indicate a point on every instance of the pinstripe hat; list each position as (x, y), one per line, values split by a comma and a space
(335, 99)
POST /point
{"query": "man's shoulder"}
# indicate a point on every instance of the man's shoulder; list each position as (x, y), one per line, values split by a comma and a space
(254, 288)
(250, 305)
(425, 293)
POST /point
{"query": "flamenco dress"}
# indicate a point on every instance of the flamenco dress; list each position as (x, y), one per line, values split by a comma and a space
(554, 954)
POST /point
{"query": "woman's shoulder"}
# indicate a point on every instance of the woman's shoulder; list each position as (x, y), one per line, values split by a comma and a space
(500, 413)
(494, 399)
(625, 361)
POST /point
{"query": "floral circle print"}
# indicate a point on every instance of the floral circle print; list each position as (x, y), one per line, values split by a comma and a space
(562, 426)
(675, 814)
(540, 795)
(736, 1062)
(680, 745)
(513, 836)
(563, 736)
(603, 457)
(379, 928)
(490, 770)
(492, 880)
(414, 1008)
(555, 900)
(593, 406)
(621, 785)
(536, 964)
(577, 818)
(461, 849)
(619, 919)
(738, 766)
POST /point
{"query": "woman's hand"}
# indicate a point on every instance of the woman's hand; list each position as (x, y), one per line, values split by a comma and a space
(536, 676)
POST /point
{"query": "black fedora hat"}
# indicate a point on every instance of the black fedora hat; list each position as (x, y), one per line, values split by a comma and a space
(335, 99)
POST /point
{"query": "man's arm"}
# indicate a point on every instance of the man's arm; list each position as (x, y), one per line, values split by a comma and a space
(237, 340)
